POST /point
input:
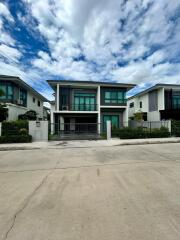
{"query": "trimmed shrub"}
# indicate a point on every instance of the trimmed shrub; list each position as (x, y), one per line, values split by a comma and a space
(175, 125)
(14, 127)
(16, 139)
(137, 133)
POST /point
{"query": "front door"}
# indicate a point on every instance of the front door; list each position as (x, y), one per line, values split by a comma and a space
(114, 121)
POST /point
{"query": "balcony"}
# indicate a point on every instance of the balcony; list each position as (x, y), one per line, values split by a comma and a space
(79, 107)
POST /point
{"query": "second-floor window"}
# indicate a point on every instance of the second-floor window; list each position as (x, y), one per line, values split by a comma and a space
(7, 91)
(85, 101)
(176, 101)
(115, 97)
(23, 97)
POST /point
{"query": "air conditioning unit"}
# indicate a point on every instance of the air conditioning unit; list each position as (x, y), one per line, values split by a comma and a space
(65, 108)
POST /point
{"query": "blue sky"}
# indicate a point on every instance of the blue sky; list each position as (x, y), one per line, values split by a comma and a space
(106, 40)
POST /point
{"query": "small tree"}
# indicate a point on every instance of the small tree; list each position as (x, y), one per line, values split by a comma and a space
(138, 116)
(29, 115)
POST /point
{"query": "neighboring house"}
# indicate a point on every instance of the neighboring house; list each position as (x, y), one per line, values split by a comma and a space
(160, 102)
(88, 103)
(46, 113)
(20, 97)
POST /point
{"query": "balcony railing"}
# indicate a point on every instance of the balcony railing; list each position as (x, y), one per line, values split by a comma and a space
(79, 107)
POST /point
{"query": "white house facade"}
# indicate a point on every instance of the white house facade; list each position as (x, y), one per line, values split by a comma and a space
(86, 104)
(20, 97)
(160, 102)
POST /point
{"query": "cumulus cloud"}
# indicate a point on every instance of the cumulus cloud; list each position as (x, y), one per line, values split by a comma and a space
(115, 40)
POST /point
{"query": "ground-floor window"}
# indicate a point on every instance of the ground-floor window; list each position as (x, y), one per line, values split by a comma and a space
(114, 121)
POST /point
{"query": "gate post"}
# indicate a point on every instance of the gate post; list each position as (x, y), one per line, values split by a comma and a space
(108, 130)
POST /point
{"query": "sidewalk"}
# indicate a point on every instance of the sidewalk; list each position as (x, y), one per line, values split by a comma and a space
(86, 143)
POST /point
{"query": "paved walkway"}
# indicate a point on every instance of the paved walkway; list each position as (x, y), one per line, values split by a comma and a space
(86, 143)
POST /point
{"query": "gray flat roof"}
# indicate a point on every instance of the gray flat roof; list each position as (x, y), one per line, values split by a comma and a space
(115, 84)
(157, 86)
(21, 83)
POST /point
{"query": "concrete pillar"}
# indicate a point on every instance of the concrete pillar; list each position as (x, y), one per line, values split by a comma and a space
(169, 126)
(108, 129)
(52, 122)
(61, 123)
(0, 128)
(72, 124)
(98, 108)
(125, 118)
(38, 130)
(57, 101)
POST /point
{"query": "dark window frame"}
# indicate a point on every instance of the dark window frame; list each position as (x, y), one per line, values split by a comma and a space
(114, 99)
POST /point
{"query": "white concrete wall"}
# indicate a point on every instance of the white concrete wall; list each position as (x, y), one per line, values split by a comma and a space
(14, 111)
(136, 108)
(34, 105)
(161, 99)
(153, 116)
(38, 130)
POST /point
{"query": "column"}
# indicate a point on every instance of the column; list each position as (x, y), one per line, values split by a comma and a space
(57, 101)
(52, 122)
(99, 109)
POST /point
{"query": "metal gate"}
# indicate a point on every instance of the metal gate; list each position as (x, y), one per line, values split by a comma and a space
(71, 131)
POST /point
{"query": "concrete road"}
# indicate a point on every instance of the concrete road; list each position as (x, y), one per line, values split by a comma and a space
(102, 193)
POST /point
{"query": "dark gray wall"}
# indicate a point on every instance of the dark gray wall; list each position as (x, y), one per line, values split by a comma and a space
(153, 101)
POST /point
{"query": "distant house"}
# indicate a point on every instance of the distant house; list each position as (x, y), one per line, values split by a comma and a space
(160, 102)
(20, 97)
(82, 106)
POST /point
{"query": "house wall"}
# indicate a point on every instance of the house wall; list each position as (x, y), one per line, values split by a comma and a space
(14, 111)
(34, 105)
(147, 105)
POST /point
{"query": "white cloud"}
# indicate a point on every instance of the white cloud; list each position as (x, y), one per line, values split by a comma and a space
(10, 53)
(126, 41)
(4, 12)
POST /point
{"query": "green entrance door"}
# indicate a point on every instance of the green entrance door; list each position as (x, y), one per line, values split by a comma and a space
(114, 121)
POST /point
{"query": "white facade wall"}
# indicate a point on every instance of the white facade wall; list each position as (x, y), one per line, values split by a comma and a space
(151, 116)
(34, 105)
(14, 111)
(161, 99)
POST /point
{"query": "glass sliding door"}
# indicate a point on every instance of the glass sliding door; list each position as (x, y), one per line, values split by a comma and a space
(114, 121)
(85, 102)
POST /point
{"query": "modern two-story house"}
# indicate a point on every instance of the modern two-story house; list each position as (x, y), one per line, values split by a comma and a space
(160, 102)
(20, 97)
(87, 105)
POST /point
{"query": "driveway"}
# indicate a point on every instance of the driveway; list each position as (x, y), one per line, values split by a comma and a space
(97, 193)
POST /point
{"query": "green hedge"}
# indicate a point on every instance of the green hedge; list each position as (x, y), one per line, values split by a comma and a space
(175, 127)
(16, 139)
(137, 133)
(14, 127)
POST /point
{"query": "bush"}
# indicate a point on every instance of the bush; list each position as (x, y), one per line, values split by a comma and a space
(16, 139)
(137, 133)
(14, 127)
(29, 115)
(175, 128)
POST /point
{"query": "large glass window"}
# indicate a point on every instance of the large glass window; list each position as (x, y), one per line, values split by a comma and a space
(115, 97)
(176, 101)
(23, 97)
(7, 89)
(85, 102)
(114, 121)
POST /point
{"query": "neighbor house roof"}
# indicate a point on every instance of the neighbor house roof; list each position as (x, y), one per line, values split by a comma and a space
(157, 86)
(53, 83)
(21, 83)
